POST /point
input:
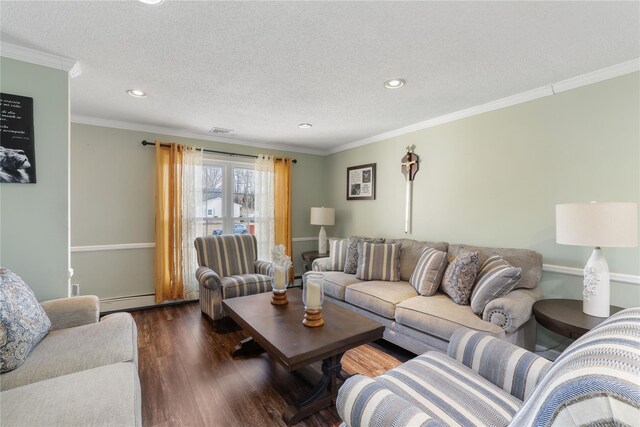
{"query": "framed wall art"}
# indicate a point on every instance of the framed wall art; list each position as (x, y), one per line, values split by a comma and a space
(361, 182)
(17, 151)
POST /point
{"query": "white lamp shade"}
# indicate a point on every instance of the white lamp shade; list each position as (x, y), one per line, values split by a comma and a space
(613, 225)
(323, 216)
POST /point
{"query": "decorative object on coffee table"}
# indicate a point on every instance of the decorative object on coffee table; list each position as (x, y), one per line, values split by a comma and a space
(613, 225)
(279, 332)
(280, 265)
(361, 182)
(323, 216)
(313, 297)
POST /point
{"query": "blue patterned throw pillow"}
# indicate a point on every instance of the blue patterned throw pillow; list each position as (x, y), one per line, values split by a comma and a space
(23, 321)
(460, 276)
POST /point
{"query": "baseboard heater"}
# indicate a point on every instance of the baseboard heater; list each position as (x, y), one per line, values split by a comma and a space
(127, 303)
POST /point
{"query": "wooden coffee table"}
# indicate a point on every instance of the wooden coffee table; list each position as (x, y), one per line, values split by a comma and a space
(279, 331)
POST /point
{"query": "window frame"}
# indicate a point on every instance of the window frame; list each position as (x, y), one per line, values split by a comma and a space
(228, 219)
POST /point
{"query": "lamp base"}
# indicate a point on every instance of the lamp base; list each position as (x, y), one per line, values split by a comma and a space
(322, 241)
(595, 294)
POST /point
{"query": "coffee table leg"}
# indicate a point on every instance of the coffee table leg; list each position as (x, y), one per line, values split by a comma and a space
(247, 347)
(314, 401)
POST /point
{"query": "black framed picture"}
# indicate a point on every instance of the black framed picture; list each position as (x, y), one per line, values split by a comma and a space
(17, 151)
(361, 182)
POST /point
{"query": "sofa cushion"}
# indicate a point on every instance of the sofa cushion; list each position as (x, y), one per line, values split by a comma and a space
(496, 279)
(379, 297)
(335, 283)
(450, 392)
(378, 261)
(245, 284)
(429, 270)
(62, 352)
(530, 261)
(337, 254)
(108, 395)
(438, 315)
(460, 275)
(411, 252)
(351, 261)
(24, 322)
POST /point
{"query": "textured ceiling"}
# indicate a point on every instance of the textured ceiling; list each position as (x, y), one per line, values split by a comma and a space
(262, 68)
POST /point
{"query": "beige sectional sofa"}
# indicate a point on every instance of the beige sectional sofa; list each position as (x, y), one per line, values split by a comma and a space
(84, 371)
(421, 323)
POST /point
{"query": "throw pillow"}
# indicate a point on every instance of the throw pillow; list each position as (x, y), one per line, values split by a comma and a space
(24, 323)
(351, 261)
(337, 254)
(428, 273)
(496, 278)
(378, 261)
(460, 276)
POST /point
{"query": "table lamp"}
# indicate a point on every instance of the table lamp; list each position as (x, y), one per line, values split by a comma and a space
(323, 216)
(598, 225)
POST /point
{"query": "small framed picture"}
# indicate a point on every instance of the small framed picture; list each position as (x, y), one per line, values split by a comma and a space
(361, 182)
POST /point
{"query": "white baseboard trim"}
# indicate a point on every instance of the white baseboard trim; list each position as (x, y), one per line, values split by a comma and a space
(615, 277)
(123, 246)
(304, 239)
(127, 303)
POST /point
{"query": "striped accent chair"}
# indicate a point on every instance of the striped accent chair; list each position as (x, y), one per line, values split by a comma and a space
(228, 268)
(484, 381)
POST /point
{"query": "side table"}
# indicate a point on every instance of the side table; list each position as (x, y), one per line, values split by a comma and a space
(565, 317)
(310, 256)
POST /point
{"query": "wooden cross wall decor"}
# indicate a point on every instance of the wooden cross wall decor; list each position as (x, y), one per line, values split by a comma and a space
(410, 165)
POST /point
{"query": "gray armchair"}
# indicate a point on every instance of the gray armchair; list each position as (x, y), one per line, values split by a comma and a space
(228, 268)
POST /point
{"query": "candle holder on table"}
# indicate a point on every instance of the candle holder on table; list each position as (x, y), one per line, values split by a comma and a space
(313, 297)
(279, 283)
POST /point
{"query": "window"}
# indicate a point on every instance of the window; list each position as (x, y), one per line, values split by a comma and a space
(228, 195)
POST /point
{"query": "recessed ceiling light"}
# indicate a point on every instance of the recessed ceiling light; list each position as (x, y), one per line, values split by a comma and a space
(137, 93)
(394, 83)
(305, 125)
(151, 1)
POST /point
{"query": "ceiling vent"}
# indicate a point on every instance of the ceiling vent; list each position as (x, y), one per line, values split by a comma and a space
(220, 131)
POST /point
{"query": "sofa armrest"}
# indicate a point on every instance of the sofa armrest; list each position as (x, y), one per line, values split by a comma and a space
(513, 310)
(362, 401)
(208, 278)
(75, 311)
(263, 267)
(320, 264)
(514, 369)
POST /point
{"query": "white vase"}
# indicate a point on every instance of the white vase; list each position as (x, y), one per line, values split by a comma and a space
(322, 241)
(595, 293)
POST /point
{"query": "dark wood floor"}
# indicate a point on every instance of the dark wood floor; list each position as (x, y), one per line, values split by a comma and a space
(188, 377)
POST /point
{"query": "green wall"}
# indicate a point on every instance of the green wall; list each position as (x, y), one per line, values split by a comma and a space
(112, 202)
(494, 179)
(34, 218)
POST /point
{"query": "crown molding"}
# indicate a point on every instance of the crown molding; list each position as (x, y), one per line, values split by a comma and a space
(96, 121)
(597, 76)
(33, 56)
(489, 106)
(561, 86)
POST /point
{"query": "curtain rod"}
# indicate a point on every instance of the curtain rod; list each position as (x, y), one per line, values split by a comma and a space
(215, 151)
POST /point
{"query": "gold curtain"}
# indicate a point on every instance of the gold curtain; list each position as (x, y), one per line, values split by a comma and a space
(169, 281)
(282, 205)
